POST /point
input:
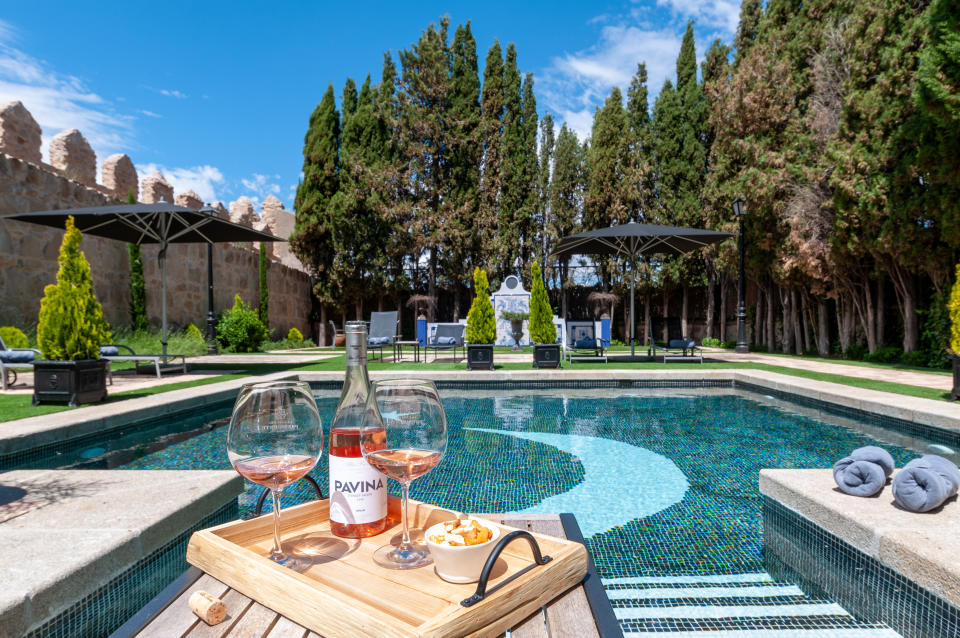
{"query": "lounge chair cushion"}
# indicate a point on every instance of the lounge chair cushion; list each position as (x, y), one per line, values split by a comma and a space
(379, 341)
(445, 341)
(586, 342)
(682, 343)
(17, 356)
(109, 351)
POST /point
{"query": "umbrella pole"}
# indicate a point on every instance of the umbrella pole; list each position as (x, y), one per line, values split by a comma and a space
(633, 274)
(163, 301)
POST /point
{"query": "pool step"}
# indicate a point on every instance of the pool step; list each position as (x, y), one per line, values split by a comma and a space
(724, 606)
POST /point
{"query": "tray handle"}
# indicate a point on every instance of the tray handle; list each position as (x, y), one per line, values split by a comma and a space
(538, 559)
(263, 495)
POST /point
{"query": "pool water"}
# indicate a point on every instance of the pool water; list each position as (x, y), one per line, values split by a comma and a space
(662, 485)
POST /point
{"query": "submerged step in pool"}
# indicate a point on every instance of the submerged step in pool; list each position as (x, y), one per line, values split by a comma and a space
(664, 487)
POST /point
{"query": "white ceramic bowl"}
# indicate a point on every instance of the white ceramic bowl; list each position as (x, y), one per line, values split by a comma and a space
(461, 564)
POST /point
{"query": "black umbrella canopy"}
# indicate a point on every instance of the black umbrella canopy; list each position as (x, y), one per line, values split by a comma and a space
(633, 240)
(160, 223)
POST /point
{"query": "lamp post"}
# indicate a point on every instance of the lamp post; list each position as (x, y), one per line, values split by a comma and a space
(211, 337)
(740, 210)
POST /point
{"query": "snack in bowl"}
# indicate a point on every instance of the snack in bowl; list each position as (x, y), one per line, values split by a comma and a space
(461, 547)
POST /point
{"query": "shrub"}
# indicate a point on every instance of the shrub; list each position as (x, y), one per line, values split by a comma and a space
(71, 325)
(193, 332)
(510, 315)
(730, 344)
(753, 347)
(954, 308)
(886, 354)
(855, 352)
(240, 330)
(917, 359)
(13, 337)
(711, 342)
(481, 326)
(542, 329)
(294, 335)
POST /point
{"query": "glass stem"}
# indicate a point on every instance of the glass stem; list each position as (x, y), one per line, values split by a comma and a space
(276, 553)
(405, 542)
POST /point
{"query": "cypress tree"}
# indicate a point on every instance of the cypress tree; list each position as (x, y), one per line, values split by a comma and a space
(640, 196)
(686, 61)
(312, 239)
(605, 202)
(531, 198)
(491, 126)
(566, 196)
(750, 14)
(481, 324)
(542, 218)
(138, 289)
(513, 169)
(348, 100)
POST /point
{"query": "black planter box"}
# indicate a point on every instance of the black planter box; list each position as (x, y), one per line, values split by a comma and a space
(480, 357)
(71, 382)
(546, 355)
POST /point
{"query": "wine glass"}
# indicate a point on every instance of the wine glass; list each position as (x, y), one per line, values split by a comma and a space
(274, 438)
(409, 412)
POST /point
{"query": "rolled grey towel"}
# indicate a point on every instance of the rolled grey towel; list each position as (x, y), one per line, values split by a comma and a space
(877, 455)
(925, 483)
(859, 478)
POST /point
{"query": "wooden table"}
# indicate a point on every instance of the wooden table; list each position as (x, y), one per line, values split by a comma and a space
(582, 612)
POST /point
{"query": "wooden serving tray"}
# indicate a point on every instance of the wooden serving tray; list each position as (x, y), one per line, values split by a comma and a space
(345, 594)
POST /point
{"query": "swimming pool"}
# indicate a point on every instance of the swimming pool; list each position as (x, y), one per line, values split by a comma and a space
(662, 480)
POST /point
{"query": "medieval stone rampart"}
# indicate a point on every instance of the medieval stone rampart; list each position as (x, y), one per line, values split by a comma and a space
(28, 252)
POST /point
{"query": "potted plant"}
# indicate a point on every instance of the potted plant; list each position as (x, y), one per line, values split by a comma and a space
(543, 332)
(70, 332)
(954, 309)
(516, 320)
(481, 326)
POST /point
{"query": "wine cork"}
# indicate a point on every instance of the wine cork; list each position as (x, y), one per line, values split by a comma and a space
(210, 609)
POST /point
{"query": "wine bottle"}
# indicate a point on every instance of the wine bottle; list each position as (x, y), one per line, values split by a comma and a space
(358, 492)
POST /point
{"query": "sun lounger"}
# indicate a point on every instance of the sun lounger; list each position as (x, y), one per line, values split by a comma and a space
(13, 358)
(383, 331)
(118, 352)
(582, 343)
(448, 336)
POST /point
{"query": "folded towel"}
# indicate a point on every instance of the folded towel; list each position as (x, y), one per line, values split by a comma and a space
(109, 351)
(874, 454)
(858, 478)
(445, 341)
(925, 483)
(17, 356)
(379, 341)
(586, 343)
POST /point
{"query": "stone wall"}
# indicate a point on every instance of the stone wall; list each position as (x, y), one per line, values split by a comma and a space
(28, 254)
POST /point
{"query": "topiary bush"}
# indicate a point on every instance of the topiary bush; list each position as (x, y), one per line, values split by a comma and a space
(481, 325)
(71, 326)
(542, 328)
(711, 342)
(294, 335)
(240, 330)
(14, 337)
(194, 333)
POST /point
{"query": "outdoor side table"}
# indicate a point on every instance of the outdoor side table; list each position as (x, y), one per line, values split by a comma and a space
(582, 612)
(398, 350)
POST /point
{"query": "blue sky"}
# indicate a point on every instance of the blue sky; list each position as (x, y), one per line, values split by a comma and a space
(217, 94)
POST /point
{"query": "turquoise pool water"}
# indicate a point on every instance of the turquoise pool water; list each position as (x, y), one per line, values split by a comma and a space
(662, 485)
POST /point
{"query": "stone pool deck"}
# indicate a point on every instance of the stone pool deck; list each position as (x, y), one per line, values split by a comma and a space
(81, 529)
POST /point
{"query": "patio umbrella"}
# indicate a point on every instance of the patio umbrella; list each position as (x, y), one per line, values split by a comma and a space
(160, 223)
(634, 240)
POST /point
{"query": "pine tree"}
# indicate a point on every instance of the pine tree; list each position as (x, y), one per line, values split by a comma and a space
(71, 324)
(312, 238)
(514, 184)
(491, 185)
(542, 328)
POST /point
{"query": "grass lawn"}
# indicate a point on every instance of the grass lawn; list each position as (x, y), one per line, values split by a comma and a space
(17, 406)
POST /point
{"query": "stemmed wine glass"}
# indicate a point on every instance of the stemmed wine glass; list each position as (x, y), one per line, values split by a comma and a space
(275, 437)
(409, 412)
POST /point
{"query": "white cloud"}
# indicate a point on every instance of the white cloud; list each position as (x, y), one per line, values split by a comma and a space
(167, 92)
(58, 101)
(203, 180)
(148, 113)
(723, 14)
(260, 186)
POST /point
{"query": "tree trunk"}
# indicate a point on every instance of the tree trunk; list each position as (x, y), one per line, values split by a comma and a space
(647, 332)
(905, 284)
(396, 302)
(711, 303)
(881, 323)
(322, 330)
(797, 317)
(805, 321)
(432, 282)
(823, 329)
(456, 302)
(771, 320)
(786, 304)
(758, 319)
(724, 289)
(359, 309)
(684, 323)
(845, 321)
(666, 312)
